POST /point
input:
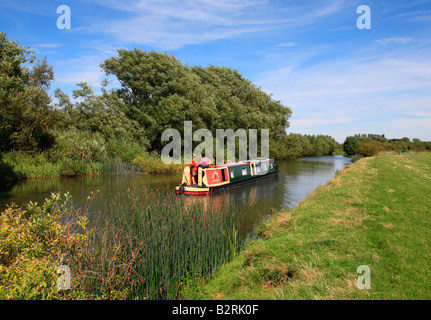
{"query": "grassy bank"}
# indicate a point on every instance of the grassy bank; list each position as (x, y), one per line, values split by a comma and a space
(375, 212)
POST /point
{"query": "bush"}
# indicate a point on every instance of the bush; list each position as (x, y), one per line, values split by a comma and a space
(72, 168)
(7, 174)
(124, 150)
(351, 146)
(32, 245)
(368, 149)
(79, 145)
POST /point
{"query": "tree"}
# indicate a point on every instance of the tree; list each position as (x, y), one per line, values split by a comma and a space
(159, 92)
(154, 89)
(101, 118)
(351, 146)
(25, 111)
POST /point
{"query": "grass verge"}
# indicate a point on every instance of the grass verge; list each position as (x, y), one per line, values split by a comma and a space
(375, 212)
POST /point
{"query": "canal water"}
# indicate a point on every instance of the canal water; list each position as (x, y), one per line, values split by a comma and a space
(257, 200)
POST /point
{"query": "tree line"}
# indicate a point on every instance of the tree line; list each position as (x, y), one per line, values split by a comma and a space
(371, 144)
(79, 134)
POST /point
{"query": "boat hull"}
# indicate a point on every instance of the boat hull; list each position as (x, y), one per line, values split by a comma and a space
(204, 190)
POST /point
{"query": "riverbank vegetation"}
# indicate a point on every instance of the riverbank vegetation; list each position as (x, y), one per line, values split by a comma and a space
(295, 145)
(374, 213)
(119, 130)
(137, 248)
(366, 145)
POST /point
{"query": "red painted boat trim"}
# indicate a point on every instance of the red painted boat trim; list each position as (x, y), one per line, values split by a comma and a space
(194, 193)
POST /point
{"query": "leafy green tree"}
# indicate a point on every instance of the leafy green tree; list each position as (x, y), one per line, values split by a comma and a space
(101, 122)
(159, 92)
(25, 111)
(351, 146)
(156, 90)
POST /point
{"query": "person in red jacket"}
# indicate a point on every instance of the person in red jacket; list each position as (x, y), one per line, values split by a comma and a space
(194, 169)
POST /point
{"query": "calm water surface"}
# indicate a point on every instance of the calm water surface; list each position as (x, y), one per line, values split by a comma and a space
(296, 180)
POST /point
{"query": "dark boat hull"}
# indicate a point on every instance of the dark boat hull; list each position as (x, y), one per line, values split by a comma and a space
(205, 190)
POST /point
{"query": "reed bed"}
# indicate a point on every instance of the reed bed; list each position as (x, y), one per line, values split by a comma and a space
(118, 166)
(151, 244)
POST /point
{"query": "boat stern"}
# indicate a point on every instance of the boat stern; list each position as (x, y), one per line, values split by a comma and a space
(191, 190)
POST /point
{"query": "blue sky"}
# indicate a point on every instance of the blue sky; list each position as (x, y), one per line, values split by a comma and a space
(337, 79)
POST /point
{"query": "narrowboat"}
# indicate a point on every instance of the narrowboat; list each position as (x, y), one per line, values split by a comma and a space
(218, 177)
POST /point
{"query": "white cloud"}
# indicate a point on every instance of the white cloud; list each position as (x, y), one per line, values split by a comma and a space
(408, 127)
(286, 44)
(47, 45)
(359, 93)
(307, 123)
(398, 40)
(167, 25)
(83, 68)
(92, 77)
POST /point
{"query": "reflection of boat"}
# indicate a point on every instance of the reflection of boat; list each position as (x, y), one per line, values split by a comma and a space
(226, 175)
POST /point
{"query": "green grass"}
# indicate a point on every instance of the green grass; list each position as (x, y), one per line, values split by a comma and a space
(376, 212)
(16, 165)
(152, 163)
(20, 165)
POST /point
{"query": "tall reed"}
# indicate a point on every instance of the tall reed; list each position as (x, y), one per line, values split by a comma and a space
(148, 244)
(119, 166)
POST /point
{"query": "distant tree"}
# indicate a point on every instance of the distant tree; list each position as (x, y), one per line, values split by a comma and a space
(418, 145)
(351, 146)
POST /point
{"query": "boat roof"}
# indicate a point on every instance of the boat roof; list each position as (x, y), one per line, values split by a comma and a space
(231, 164)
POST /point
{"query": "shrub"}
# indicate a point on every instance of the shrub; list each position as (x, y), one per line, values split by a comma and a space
(72, 168)
(351, 146)
(368, 149)
(33, 243)
(79, 145)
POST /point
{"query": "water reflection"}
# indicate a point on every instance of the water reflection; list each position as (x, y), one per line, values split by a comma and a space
(296, 180)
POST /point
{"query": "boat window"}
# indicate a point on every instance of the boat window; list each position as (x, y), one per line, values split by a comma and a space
(257, 168)
(244, 171)
(270, 166)
(231, 173)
